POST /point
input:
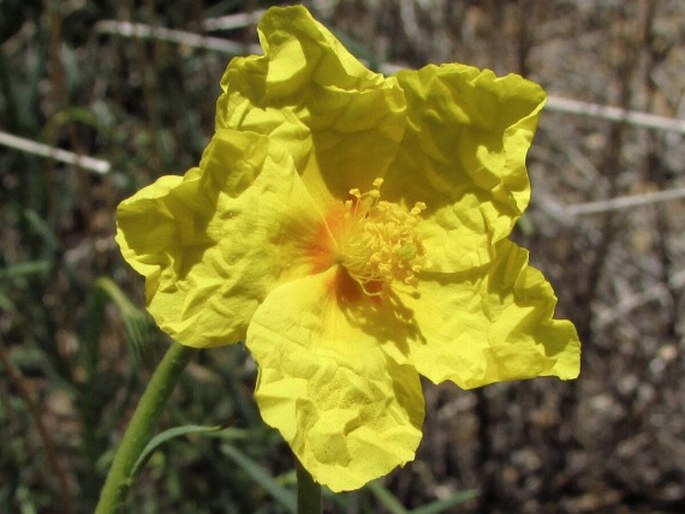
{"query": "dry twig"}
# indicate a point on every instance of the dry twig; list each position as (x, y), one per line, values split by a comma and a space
(29, 146)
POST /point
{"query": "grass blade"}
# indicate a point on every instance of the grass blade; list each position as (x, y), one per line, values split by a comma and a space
(447, 503)
(277, 491)
(165, 436)
(389, 501)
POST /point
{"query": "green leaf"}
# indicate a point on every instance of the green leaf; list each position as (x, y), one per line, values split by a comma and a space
(5, 303)
(393, 506)
(447, 503)
(42, 228)
(162, 438)
(138, 324)
(391, 503)
(277, 491)
(24, 269)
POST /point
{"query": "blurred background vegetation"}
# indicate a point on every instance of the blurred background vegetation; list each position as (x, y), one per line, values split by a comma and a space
(132, 85)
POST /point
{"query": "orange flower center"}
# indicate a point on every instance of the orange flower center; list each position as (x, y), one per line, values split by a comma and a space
(377, 241)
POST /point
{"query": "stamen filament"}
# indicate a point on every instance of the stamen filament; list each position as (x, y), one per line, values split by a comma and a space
(378, 243)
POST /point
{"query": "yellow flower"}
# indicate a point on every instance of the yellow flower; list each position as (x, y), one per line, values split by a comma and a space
(352, 229)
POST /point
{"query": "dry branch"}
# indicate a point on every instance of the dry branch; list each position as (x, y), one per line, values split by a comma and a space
(29, 146)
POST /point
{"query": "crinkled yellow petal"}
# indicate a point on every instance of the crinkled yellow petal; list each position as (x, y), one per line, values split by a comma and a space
(213, 243)
(463, 154)
(491, 324)
(341, 122)
(349, 412)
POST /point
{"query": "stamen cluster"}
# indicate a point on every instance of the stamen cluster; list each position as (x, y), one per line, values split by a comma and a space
(379, 243)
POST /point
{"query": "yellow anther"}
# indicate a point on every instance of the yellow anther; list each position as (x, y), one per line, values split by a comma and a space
(378, 243)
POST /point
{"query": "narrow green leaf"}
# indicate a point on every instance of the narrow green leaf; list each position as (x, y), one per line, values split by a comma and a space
(389, 501)
(447, 503)
(5, 303)
(277, 491)
(162, 438)
(139, 326)
(23, 269)
(41, 228)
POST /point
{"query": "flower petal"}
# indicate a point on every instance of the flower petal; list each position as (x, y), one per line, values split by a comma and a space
(341, 122)
(349, 412)
(491, 324)
(463, 154)
(213, 243)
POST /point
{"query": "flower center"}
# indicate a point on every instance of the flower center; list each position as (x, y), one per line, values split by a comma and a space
(377, 241)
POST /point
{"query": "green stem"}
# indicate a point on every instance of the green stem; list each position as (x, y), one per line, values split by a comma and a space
(142, 426)
(308, 492)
